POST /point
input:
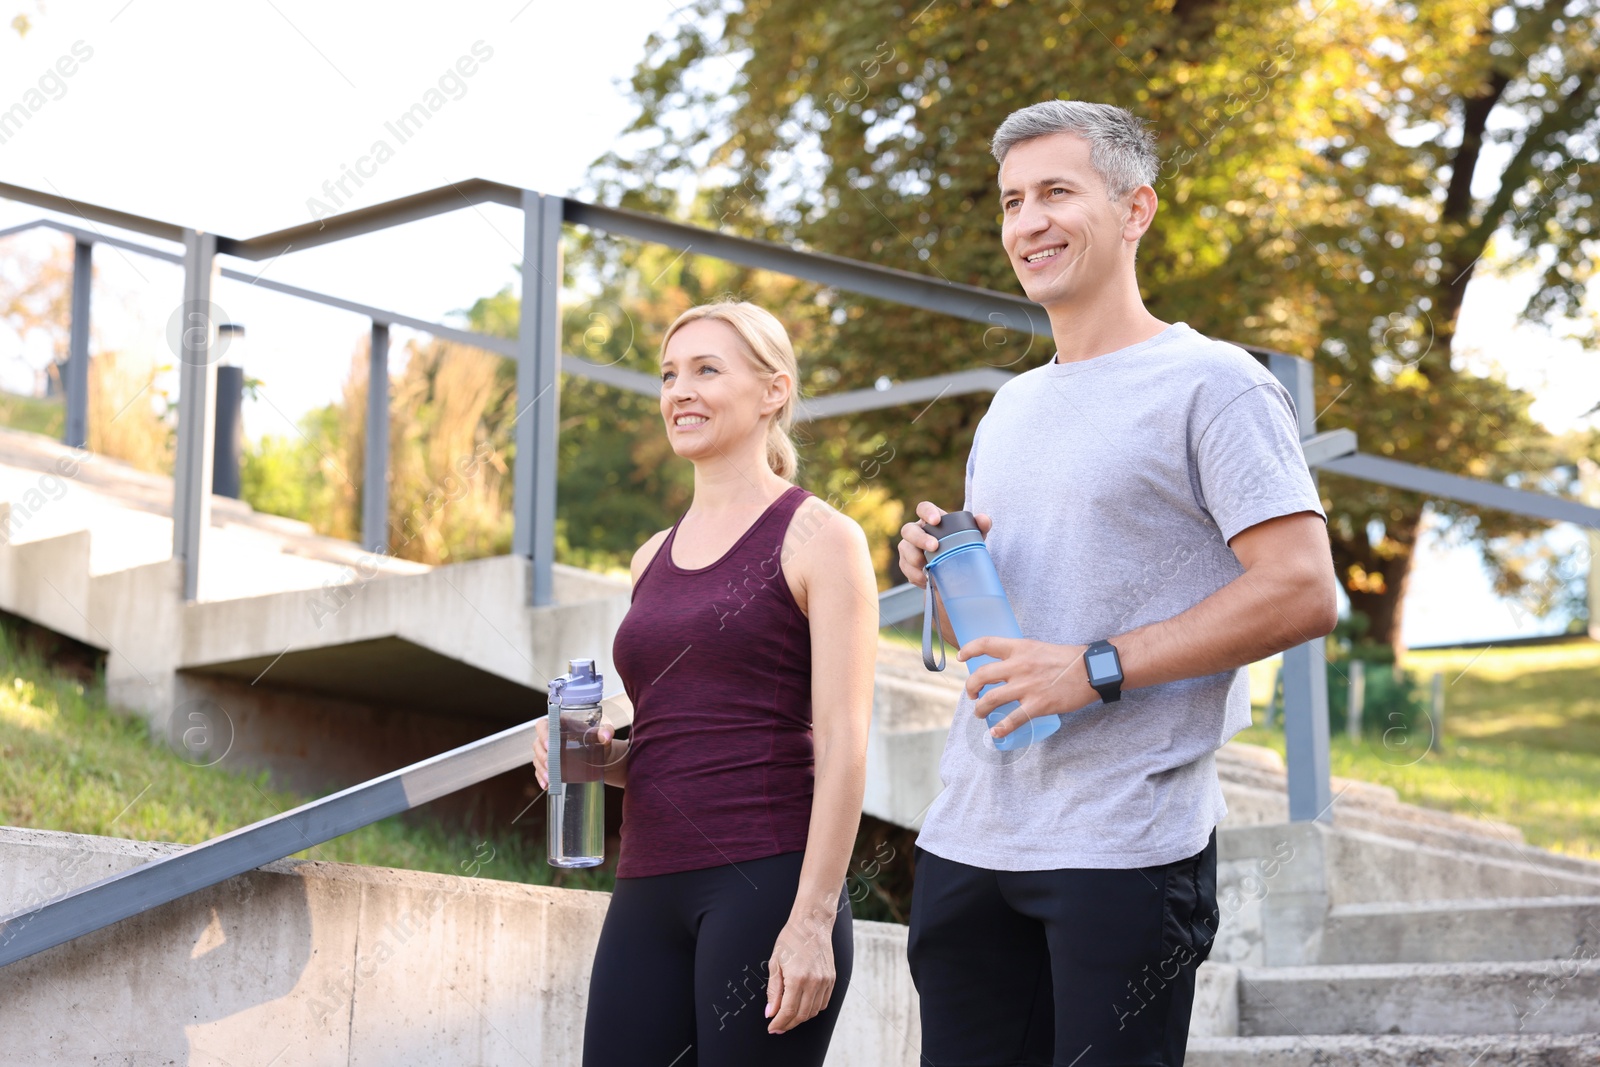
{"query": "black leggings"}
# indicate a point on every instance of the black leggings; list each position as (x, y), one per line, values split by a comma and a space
(680, 975)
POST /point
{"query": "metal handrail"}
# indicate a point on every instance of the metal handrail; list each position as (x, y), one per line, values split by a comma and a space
(163, 880)
(917, 390)
(1332, 450)
(970, 302)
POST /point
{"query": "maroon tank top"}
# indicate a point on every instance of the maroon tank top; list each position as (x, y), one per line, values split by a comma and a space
(717, 662)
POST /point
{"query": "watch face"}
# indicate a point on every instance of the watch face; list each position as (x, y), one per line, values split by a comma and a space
(1103, 667)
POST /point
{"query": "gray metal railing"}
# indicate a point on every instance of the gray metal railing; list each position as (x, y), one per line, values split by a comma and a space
(539, 363)
(536, 349)
(160, 881)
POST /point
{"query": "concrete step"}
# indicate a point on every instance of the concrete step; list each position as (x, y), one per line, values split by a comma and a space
(1388, 866)
(1394, 1050)
(1463, 931)
(1255, 784)
(1546, 997)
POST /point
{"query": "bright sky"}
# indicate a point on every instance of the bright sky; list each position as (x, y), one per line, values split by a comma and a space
(231, 117)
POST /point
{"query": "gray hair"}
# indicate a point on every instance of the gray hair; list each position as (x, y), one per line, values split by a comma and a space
(1121, 149)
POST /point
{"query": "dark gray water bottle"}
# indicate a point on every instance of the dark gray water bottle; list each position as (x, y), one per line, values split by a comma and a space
(577, 815)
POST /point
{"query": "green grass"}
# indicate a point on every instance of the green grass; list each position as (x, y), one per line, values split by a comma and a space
(67, 762)
(33, 414)
(1521, 741)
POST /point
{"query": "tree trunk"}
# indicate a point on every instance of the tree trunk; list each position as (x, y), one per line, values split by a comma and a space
(1375, 577)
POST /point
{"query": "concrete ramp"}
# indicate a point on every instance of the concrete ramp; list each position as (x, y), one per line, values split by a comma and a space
(304, 963)
(280, 607)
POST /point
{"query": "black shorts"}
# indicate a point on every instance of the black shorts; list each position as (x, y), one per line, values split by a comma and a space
(1062, 968)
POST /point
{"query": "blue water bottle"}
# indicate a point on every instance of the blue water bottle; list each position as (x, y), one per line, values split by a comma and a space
(976, 605)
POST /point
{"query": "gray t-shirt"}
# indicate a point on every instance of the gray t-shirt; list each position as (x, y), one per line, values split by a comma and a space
(1115, 484)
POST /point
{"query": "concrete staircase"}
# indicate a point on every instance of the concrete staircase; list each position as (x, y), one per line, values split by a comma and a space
(1391, 935)
(1430, 945)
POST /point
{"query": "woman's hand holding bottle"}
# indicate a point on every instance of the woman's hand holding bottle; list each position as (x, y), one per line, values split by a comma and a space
(599, 736)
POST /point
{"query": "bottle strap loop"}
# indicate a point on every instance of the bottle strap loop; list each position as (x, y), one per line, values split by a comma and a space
(929, 606)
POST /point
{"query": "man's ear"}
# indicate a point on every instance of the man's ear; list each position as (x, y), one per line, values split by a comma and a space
(1141, 213)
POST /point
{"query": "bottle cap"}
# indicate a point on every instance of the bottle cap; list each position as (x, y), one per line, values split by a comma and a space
(582, 684)
(954, 529)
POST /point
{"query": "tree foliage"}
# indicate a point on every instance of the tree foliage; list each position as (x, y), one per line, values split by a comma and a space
(129, 408)
(450, 415)
(1333, 177)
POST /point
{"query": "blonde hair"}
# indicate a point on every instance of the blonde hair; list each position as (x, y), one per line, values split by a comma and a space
(766, 344)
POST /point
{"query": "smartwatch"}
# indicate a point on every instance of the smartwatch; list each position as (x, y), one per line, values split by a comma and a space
(1105, 670)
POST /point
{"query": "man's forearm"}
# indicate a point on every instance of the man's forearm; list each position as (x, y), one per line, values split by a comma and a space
(1255, 616)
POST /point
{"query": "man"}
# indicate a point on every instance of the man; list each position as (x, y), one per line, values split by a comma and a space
(1145, 488)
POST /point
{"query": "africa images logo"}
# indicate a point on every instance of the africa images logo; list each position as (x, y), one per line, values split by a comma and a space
(51, 85)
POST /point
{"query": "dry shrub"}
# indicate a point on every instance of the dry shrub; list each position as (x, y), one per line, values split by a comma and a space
(449, 483)
(123, 423)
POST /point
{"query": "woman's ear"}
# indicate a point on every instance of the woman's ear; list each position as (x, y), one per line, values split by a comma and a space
(779, 388)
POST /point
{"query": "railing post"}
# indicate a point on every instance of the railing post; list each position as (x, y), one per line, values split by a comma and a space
(227, 450)
(1589, 493)
(538, 366)
(1436, 704)
(1355, 709)
(1299, 377)
(1305, 672)
(75, 377)
(375, 478)
(197, 399)
(1305, 732)
(1272, 698)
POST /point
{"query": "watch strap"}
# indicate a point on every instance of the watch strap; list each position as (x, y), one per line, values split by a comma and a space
(1110, 692)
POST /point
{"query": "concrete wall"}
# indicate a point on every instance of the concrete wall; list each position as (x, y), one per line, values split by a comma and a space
(304, 963)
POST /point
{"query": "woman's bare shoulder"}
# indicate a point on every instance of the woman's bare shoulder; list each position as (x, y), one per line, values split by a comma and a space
(822, 541)
(818, 522)
(647, 552)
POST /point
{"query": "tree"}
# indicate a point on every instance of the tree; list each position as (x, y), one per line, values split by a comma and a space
(450, 413)
(36, 293)
(126, 403)
(1327, 190)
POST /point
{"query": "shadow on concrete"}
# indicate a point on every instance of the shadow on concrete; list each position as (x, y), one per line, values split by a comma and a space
(235, 951)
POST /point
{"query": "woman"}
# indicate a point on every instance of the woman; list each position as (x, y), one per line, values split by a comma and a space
(748, 654)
